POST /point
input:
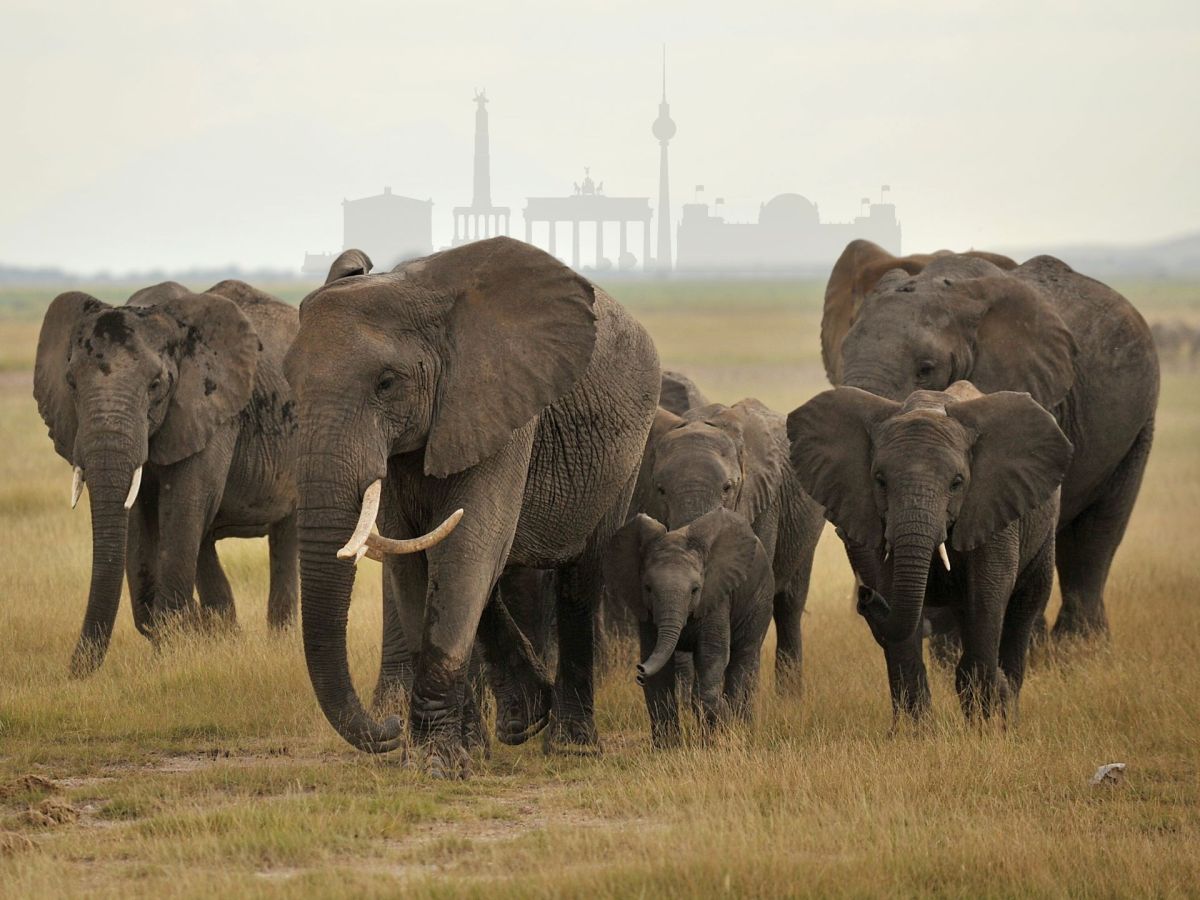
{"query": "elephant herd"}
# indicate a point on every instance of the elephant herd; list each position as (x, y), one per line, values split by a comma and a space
(495, 430)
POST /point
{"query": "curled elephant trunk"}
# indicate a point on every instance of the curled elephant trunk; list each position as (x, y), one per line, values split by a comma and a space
(109, 478)
(326, 581)
(664, 647)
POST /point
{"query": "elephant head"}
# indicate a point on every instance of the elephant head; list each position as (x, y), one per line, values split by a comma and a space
(670, 577)
(446, 357)
(718, 456)
(893, 325)
(120, 386)
(953, 466)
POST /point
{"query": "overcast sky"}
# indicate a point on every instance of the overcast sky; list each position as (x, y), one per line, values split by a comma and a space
(141, 134)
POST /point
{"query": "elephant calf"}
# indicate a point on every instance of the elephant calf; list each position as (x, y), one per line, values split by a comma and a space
(736, 458)
(705, 588)
(174, 412)
(901, 481)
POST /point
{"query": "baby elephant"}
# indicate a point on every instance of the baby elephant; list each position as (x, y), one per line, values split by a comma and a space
(901, 481)
(706, 588)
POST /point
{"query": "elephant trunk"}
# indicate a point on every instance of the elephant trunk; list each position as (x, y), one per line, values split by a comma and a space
(669, 629)
(328, 513)
(915, 537)
(110, 475)
(685, 507)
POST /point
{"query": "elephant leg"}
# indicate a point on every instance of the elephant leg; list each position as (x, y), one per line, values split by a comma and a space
(662, 703)
(789, 651)
(284, 591)
(189, 496)
(907, 679)
(1025, 612)
(1085, 547)
(141, 558)
(216, 596)
(976, 676)
(523, 697)
(573, 724)
(745, 655)
(685, 678)
(712, 660)
(474, 729)
(396, 659)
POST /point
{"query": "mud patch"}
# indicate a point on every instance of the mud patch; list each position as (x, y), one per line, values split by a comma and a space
(51, 812)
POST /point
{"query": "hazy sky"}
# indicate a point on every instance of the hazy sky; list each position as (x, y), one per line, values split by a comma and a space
(140, 134)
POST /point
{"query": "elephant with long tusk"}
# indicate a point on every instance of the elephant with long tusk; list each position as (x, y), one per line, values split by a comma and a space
(176, 418)
(490, 378)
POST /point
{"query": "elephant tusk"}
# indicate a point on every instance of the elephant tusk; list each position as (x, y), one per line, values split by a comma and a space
(366, 518)
(76, 486)
(135, 485)
(944, 555)
(382, 545)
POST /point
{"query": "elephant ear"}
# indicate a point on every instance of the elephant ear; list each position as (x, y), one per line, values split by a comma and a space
(645, 498)
(855, 274)
(1018, 460)
(764, 456)
(679, 393)
(831, 454)
(729, 547)
(54, 400)
(217, 358)
(622, 565)
(348, 264)
(1021, 343)
(520, 333)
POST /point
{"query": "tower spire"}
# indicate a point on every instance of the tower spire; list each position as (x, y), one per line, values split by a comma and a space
(664, 129)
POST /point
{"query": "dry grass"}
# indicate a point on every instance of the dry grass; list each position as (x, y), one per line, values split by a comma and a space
(207, 767)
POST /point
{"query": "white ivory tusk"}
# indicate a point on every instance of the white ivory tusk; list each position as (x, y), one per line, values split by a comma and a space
(135, 484)
(366, 519)
(76, 486)
(382, 545)
(944, 555)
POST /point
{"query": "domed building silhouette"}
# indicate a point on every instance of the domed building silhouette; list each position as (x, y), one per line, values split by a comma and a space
(788, 236)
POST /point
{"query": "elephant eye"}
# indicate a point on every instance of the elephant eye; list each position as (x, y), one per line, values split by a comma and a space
(956, 482)
(386, 382)
(925, 369)
(881, 481)
(727, 487)
(662, 491)
(155, 384)
(695, 589)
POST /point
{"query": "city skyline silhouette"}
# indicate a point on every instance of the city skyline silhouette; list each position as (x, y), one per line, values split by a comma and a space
(142, 137)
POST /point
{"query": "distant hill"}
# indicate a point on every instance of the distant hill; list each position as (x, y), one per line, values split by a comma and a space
(1173, 258)
(30, 276)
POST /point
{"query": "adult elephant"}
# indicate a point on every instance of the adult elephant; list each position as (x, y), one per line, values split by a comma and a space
(1077, 346)
(174, 412)
(488, 378)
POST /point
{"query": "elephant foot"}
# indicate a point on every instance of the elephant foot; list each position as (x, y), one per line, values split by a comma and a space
(443, 758)
(1077, 625)
(475, 737)
(788, 680)
(574, 736)
(520, 714)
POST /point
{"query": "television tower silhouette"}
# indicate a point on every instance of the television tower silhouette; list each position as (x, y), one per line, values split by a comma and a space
(664, 129)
